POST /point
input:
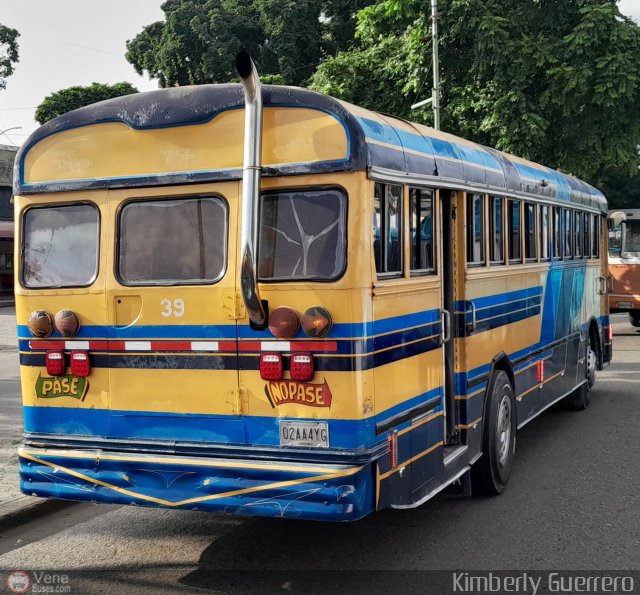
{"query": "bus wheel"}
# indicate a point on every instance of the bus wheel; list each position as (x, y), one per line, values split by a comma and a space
(581, 398)
(492, 472)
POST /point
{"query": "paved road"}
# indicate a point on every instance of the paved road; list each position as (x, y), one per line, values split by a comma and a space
(572, 503)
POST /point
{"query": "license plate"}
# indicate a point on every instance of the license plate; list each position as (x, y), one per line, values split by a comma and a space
(304, 433)
(625, 305)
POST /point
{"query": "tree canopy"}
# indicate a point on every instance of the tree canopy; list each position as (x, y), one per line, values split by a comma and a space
(65, 100)
(8, 53)
(199, 39)
(556, 81)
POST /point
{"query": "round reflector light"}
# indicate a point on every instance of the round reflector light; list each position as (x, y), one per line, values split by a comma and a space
(67, 323)
(40, 324)
(317, 322)
(284, 322)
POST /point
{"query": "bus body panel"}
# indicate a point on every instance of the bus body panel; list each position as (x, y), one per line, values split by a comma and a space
(175, 411)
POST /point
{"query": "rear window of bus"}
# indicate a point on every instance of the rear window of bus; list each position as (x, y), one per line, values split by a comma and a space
(173, 241)
(60, 246)
(302, 235)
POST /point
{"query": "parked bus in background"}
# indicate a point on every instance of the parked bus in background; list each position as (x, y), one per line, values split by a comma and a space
(342, 312)
(624, 263)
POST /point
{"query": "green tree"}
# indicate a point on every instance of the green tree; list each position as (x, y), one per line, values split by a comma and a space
(8, 53)
(65, 100)
(556, 81)
(199, 39)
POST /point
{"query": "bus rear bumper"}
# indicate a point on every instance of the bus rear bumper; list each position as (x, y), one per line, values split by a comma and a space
(275, 488)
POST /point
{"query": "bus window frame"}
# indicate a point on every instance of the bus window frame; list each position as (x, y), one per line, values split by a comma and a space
(511, 242)
(416, 273)
(542, 208)
(345, 214)
(388, 275)
(493, 199)
(22, 244)
(534, 232)
(470, 231)
(567, 233)
(189, 283)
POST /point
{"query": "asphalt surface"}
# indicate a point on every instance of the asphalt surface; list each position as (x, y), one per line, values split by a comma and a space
(573, 503)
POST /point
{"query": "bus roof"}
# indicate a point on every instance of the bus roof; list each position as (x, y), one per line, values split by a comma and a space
(385, 146)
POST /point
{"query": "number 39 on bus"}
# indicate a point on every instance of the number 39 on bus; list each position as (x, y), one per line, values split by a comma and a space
(331, 313)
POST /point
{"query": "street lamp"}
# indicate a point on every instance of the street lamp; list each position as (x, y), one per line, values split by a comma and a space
(7, 130)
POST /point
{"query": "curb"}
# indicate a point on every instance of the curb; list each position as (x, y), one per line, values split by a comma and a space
(26, 509)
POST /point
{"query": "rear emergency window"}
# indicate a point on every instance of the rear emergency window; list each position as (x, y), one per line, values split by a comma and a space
(180, 241)
(302, 235)
(60, 246)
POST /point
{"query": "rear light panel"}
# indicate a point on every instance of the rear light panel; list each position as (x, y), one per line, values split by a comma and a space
(55, 363)
(270, 366)
(80, 363)
(302, 368)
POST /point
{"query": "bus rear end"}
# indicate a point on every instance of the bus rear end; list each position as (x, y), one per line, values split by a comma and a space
(144, 380)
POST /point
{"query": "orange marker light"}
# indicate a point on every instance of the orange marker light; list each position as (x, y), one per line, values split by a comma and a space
(317, 322)
(67, 323)
(284, 323)
(40, 324)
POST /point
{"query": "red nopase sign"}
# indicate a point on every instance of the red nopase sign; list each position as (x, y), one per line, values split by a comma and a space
(283, 392)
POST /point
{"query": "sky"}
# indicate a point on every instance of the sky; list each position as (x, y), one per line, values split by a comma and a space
(77, 42)
(64, 43)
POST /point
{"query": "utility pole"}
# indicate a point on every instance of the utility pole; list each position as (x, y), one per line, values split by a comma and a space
(436, 64)
(434, 100)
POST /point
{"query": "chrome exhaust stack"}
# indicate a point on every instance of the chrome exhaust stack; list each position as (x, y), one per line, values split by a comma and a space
(251, 187)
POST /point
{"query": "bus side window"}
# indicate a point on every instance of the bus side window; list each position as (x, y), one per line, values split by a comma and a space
(421, 232)
(530, 252)
(568, 234)
(556, 238)
(577, 233)
(595, 236)
(496, 229)
(514, 226)
(475, 229)
(387, 229)
(544, 232)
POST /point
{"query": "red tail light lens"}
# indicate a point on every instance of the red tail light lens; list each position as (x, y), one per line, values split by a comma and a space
(80, 363)
(55, 363)
(302, 367)
(610, 332)
(270, 366)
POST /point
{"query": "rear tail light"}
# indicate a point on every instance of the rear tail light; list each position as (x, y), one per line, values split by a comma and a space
(610, 332)
(55, 363)
(392, 441)
(270, 366)
(302, 367)
(80, 363)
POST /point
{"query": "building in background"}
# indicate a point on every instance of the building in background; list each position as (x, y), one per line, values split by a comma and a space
(7, 157)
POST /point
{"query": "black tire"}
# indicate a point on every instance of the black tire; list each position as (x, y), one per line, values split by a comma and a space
(634, 318)
(492, 472)
(580, 399)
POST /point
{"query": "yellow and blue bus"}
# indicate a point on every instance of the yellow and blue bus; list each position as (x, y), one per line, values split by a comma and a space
(335, 312)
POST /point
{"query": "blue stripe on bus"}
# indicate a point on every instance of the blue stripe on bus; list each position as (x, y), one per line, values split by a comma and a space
(191, 427)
